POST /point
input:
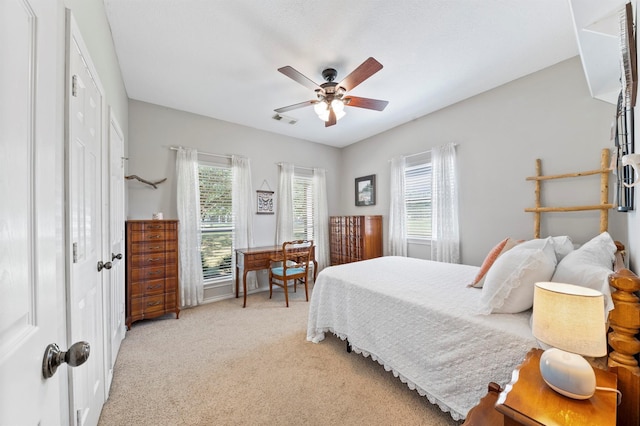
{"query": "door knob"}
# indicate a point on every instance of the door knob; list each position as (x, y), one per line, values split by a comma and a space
(77, 354)
(116, 256)
(102, 265)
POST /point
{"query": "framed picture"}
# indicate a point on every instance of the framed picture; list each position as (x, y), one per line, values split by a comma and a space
(265, 202)
(366, 190)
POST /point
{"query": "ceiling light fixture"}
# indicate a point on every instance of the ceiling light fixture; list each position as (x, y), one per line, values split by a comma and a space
(328, 102)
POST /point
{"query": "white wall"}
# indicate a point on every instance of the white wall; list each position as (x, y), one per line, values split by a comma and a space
(548, 115)
(153, 129)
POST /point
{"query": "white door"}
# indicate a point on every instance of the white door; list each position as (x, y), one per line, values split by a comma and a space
(32, 302)
(85, 250)
(115, 295)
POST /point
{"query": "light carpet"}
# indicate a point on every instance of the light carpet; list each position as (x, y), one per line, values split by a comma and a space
(220, 364)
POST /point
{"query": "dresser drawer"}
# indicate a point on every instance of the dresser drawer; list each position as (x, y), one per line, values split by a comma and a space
(149, 288)
(148, 247)
(148, 226)
(148, 305)
(153, 273)
(142, 274)
(150, 236)
(153, 259)
(154, 247)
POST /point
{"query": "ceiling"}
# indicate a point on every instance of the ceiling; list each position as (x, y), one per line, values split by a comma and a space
(219, 58)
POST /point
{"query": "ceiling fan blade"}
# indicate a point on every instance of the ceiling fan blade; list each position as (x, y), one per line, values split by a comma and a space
(297, 76)
(332, 118)
(376, 104)
(296, 106)
(360, 74)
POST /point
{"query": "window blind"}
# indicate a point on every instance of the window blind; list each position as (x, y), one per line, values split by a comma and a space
(302, 207)
(216, 221)
(418, 201)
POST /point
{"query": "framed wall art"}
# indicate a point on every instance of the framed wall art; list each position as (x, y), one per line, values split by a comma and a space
(366, 190)
(265, 202)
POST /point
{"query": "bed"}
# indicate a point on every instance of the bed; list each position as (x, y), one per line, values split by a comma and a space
(422, 327)
(423, 322)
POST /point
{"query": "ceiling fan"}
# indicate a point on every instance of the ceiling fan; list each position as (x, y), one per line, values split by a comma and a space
(332, 97)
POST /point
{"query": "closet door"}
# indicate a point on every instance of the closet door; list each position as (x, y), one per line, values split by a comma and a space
(31, 216)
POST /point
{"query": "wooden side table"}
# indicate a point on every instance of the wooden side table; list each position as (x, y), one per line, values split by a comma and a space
(485, 414)
(528, 400)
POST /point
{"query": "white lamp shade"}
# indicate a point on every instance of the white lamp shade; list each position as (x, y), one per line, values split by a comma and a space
(570, 317)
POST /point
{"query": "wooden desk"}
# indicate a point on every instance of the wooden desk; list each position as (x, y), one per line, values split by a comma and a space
(256, 259)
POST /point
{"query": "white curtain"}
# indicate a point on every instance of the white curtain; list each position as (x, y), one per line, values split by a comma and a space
(189, 235)
(242, 205)
(445, 245)
(284, 214)
(397, 209)
(320, 218)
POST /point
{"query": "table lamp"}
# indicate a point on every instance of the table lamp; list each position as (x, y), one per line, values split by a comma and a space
(570, 319)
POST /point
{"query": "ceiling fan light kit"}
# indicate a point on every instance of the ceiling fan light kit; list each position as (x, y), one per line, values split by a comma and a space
(332, 97)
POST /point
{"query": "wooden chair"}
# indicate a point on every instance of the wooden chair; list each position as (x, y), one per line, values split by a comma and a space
(291, 265)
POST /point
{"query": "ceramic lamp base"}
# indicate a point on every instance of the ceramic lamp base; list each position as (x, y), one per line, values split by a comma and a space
(568, 374)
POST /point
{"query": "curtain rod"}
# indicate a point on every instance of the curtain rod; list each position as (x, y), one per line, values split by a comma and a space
(417, 153)
(297, 167)
(421, 153)
(175, 148)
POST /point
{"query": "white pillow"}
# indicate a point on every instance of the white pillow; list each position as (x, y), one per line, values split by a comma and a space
(509, 284)
(561, 245)
(590, 266)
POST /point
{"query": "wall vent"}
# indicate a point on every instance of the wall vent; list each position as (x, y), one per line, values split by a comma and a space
(284, 119)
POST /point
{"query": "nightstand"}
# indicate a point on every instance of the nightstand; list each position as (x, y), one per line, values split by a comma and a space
(527, 400)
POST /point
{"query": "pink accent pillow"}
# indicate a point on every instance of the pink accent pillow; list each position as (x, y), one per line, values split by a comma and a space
(499, 249)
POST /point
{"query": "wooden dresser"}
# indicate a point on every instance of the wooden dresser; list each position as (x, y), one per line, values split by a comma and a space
(152, 269)
(354, 238)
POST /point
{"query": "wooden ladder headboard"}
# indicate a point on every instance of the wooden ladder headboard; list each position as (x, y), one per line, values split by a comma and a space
(604, 205)
(624, 319)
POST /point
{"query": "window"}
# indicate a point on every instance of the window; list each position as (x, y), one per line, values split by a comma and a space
(302, 207)
(217, 221)
(417, 198)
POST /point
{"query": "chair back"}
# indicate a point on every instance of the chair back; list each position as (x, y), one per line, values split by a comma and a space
(297, 254)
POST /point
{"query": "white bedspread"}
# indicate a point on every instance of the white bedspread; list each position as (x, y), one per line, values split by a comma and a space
(417, 318)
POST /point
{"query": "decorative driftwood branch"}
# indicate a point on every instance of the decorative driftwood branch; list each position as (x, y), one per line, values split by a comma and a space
(154, 184)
